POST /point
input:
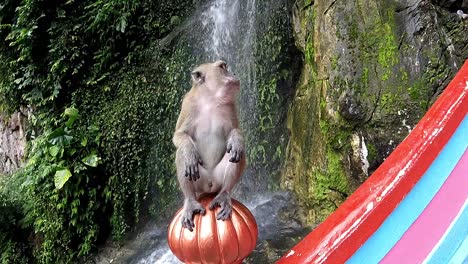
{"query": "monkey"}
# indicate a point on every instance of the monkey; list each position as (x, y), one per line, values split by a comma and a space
(210, 151)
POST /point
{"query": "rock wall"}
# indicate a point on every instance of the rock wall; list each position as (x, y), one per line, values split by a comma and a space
(12, 140)
(372, 69)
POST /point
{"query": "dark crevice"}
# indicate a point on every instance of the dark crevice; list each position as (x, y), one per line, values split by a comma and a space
(345, 195)
(400, 42)
(329, 6)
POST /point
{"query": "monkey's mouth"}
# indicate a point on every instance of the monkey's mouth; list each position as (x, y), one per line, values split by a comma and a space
(233, 83)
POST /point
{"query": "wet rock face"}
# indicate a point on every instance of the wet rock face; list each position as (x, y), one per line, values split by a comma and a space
(350, 108)
(372, 69)
(12, 141)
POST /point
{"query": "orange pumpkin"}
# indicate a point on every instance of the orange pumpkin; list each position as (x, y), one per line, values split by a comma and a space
(214, 241)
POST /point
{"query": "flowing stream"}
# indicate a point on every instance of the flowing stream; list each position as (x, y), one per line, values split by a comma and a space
(227, 29)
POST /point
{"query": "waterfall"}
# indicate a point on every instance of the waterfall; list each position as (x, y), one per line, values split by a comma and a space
(232, 30)
(227, 31)
(220, 22)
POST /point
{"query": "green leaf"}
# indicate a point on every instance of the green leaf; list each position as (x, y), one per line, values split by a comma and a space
(91, 160)
(122, 24)
(72, 114)
(84, 142)
(61, 177)
(71, 111)
(60, 137)
(54, 150)
(71, 151)
(56, 134)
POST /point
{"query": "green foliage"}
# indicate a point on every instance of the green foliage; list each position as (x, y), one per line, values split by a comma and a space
(99, 157)
(13, 245)
(54, 48)
(63, 193)
(138, 122)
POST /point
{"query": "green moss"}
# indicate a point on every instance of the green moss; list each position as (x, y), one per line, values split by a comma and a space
(375, 41)
(365, 77)
(328, 187)
(334, 62)
(324, 127)
(387, 46)
(372, 152)
(404, 75)
(309, 50)
(318, 142)
(337, 177)
(389, 102)
(340, 138)
(305, 132)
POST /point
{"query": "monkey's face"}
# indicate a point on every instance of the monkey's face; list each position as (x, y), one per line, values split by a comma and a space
(215, 79)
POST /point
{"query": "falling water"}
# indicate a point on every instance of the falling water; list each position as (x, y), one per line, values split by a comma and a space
(219, 22)
(229, 33)
(227, 29)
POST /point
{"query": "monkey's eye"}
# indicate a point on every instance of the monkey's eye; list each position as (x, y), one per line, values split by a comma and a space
(198, 77)
(223, 66)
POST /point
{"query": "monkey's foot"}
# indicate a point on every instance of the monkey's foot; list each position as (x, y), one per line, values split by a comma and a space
(222, 200)
(190, 209)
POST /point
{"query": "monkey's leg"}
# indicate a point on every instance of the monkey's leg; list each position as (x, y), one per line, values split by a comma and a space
(226, 174)
(191, 205)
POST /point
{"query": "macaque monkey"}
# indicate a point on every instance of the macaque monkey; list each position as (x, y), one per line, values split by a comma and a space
(210, 155)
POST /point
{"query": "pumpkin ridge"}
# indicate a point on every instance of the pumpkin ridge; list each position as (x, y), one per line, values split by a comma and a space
(217, 236)
(235, 231)
(169, 235)
(243, 217)
(181, 252)
(197, 235)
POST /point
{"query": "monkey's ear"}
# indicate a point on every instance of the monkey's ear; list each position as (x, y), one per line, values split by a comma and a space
(198, 77)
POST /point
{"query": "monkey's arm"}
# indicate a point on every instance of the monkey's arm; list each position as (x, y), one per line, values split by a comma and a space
(182, 139)
(235, 145)
(181, 135)
(185, 145)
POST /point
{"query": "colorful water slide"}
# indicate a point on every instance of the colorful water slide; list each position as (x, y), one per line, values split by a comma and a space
(414, 207)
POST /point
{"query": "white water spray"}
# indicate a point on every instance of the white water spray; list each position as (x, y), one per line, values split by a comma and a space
(221, 21)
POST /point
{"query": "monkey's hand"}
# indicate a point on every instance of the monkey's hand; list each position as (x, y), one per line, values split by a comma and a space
(191, 160)
(236, 148)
